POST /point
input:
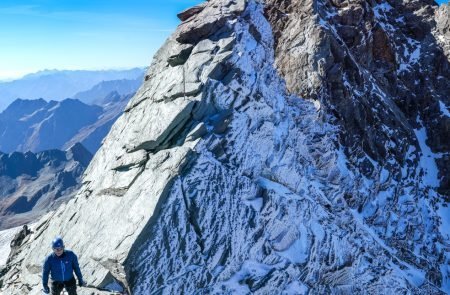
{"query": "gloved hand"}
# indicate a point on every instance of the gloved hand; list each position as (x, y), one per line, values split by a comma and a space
(46, 290)
(81, 283)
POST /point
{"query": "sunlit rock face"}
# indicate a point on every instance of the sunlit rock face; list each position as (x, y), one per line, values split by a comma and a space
(274, 148)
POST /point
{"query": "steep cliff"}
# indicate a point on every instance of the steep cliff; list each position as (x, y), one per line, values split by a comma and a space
(282, 147)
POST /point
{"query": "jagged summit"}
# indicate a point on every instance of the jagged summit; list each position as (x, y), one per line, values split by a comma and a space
(79, 153)
(275, 147)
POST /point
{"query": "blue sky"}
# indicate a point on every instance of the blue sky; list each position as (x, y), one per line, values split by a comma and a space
(83, 34)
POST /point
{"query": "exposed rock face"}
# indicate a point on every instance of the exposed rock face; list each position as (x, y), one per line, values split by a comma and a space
(190, 12)
(442, 31)
(276, 148)
(32, 184)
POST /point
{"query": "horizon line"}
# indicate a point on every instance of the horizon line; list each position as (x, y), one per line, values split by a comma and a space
(9, 77)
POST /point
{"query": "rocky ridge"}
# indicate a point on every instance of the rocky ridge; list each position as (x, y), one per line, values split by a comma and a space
(269, 155)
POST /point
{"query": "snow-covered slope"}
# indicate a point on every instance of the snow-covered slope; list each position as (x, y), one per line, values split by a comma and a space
(272, 149)
(5, 239)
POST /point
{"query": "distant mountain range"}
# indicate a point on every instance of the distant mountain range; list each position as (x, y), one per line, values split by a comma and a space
(59, 85)
(32, 184)
(37, 125)
(92, 135)
(96, 94)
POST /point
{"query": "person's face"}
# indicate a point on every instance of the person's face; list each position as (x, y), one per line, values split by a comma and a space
(58, 251)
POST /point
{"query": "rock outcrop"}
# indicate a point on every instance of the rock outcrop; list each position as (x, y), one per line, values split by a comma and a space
(274, 148)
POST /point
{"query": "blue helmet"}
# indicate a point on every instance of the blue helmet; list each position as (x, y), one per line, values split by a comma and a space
(57, 243)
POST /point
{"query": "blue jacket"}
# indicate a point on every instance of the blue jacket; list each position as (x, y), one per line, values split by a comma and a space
(61, 268)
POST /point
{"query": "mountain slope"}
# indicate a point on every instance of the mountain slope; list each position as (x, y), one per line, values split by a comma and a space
(378, 68)
(274, 148)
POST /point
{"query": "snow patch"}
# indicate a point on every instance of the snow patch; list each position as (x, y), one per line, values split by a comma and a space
(414, 276)
(444, 214)
(6, 237)
(383, 7)
(298, 252)
(384, 175)
(427, 160)
(249, 269)
(415, 55)
(445, 270)
(280, 189)
(295, 288)
(444, 109)
(412, 50)
(114, 286)
(342, 162)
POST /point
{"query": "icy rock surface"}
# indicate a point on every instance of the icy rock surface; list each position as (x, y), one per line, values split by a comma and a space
(250, 163)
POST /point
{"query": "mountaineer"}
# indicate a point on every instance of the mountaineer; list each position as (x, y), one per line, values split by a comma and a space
(61, 264)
